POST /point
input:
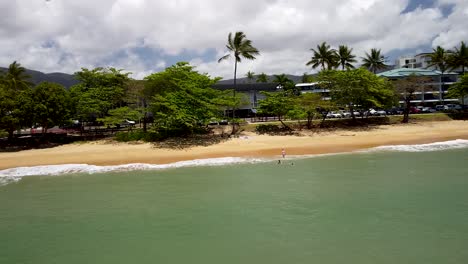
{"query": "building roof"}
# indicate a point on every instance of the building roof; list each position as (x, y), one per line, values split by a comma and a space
(306, 84)
(404, 72)
(242, 87)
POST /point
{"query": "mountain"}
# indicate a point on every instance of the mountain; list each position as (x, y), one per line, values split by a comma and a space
(67, 80)
(294, 78)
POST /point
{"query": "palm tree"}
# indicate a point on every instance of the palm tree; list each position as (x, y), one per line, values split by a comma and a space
(439, 58)
(345, 57)
(459, 57)
(240, 47)
(374, 61)
(15, 77)
(282, 80)
(324, 55)
(262, 78)
(250, 76)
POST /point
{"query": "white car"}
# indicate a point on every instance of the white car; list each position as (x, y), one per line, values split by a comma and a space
(449, 107)
(334, 115)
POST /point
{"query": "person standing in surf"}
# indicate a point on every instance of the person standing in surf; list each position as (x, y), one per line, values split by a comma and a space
(283, 153)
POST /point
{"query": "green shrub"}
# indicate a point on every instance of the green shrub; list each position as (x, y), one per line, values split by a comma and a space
(3, 133)
(269, 129)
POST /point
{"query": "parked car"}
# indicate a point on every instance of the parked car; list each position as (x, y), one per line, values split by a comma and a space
(381, 113)
(334, 115)
(452, 107)
(395, 111)
(414, 110)
(439, 107)
(427, 109)
(223, 122)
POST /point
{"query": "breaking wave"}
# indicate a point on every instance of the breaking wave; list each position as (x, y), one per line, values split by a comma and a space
(15, 174)
(437, 146)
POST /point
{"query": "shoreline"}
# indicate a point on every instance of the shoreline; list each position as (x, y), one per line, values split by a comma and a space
(248, 145)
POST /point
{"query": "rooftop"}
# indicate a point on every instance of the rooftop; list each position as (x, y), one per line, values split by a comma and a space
(404, 72)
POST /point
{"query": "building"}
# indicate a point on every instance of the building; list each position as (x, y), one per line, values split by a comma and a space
(435, 91)
(314, 88)
(252, 93)
(421, 60)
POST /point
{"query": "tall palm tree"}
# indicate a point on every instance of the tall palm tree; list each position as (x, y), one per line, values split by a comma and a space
(16, 78)
(345, 57)
(250, 76)
(239, 47)
(374, 61)
(324, 55)
(262, 78)
(459, 57)
(439, 58)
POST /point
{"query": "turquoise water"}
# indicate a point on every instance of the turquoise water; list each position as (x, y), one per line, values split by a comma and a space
(390, 207)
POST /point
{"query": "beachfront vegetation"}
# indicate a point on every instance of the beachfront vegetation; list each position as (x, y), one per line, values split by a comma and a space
(239, 47)
(357, 88)
(186, 101)
(406, 88)
(460, 88)
(50, 105)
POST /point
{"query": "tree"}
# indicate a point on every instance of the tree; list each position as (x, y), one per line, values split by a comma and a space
(374, 61)
(345, 57)
(406, 88)
(15, 99)
(16, 78)
(439, 58)
(309, 104)
(250, 76)
(460, 88)
(324, 55)
(459, 58)
(262, 78)
(117, 115)
(357, 87)
(277, 104)
(286, 84)
(187, 103)
(99, 91)
(138, 100)
(239, 47)
(51, 105)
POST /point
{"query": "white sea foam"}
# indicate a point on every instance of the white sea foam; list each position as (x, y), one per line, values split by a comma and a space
(437, 146)
(15, 174)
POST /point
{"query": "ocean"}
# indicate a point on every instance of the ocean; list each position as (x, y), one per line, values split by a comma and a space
(393, 204)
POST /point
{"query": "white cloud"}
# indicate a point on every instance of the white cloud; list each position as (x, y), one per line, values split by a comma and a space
(64, 35)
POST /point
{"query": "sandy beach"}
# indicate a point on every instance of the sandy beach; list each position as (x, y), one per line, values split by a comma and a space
(247, 145)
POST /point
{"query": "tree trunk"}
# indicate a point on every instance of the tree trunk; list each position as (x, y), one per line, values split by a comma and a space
(442, 87)
(309, 120)
(286, 126)
(323, 119)
(235, 88)
(407, 110)
(10, 134)
(351, 110)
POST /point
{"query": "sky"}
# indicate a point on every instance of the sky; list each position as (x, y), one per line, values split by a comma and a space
(146, 36)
